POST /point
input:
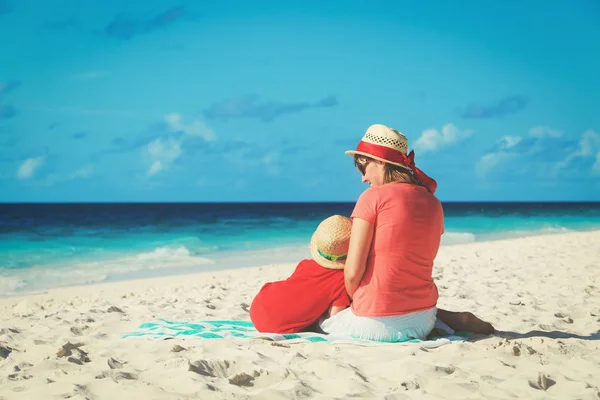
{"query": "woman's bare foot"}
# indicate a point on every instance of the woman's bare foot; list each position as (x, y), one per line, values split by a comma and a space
(465, 321)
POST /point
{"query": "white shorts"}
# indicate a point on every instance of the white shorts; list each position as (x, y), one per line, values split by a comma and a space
(393, 328)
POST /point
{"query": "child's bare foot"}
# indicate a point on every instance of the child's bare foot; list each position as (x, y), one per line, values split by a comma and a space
(465, 321)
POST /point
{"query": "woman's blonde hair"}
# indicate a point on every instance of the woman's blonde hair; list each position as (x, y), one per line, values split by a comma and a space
(393, 173)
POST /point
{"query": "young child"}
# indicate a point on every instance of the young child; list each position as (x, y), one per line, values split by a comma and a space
(315, 289)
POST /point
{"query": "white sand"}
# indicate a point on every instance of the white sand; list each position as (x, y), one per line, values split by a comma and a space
(542, 291)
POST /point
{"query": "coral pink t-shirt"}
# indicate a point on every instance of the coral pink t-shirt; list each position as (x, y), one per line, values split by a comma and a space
(409, 222)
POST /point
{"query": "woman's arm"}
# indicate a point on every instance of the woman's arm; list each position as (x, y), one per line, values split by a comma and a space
(360, 245)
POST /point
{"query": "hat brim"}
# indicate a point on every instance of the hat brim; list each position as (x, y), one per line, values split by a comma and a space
(353, 153)
(319, 259)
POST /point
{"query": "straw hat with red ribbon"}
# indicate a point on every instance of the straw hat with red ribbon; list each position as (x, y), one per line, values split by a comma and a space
(388, 145)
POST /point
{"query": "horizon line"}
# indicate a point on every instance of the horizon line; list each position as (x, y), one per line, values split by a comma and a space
(291, 202)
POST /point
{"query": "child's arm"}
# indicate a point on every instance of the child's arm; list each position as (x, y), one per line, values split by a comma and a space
(335, 309)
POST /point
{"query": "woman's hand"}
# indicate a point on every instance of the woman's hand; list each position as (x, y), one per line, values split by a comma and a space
(360, 245)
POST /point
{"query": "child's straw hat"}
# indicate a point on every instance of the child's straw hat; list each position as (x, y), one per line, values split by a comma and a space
(330, 242)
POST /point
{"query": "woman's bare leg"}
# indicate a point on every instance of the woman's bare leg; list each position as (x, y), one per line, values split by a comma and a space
(464, 321)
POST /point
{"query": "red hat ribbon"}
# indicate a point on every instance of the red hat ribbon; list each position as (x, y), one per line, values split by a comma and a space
(385, 153)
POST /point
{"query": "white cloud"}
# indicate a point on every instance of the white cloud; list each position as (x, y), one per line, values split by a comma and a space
(589, 146)
(508, 142)
(541, 131)
(199, 128)
(270, 160)
(81, 173)
(165, 150)
(589, 143)
(163, 153)
(173, 120)
(491, 160)
(243, 160)
(432, 139)
(596, 166)
(155, 168)
(543, 142)
(28, 167)
(195, 128)
(311, 183)
(506, 148)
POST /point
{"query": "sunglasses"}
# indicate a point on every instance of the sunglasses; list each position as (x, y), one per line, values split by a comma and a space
(361, 165)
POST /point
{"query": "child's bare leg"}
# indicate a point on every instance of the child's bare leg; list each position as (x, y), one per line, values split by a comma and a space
(464, 321)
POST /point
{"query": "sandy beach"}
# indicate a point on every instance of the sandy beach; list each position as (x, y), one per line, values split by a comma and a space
(541, 293)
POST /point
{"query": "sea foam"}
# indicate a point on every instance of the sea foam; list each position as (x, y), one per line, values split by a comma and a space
(112, 268)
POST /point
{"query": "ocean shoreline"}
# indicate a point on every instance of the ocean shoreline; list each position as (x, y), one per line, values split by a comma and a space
(43, 247)
(219, 269)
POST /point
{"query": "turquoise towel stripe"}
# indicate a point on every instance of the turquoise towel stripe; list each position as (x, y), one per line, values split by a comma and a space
(223, 329)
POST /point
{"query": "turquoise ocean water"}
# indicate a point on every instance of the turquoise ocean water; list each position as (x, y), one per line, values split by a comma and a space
(51, 245)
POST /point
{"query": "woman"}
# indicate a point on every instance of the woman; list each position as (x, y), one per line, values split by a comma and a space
(396, 230)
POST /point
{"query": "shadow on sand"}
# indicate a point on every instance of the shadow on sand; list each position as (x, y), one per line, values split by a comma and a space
(545, 334)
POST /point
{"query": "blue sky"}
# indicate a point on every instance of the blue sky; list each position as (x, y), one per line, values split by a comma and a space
(257, 101)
